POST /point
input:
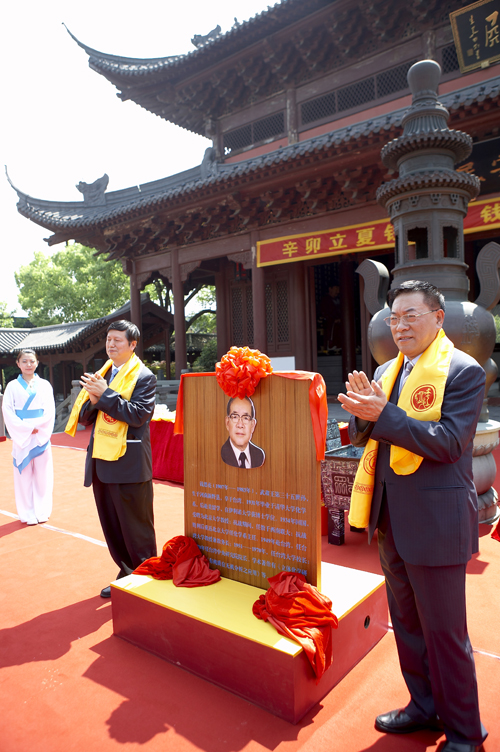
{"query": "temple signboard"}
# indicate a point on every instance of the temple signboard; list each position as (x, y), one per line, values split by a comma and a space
(476, 32)
(484, 161)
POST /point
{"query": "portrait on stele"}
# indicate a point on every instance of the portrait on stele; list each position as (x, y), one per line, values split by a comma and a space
(252, 525)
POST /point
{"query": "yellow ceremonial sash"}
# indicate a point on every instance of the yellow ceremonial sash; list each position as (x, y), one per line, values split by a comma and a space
(110, 435)
(421, 398)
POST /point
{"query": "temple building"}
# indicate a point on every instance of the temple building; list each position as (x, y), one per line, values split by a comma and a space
(298, 103)
(67, 350)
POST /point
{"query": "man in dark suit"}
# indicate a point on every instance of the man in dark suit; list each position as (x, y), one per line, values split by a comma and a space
(123, 488)
(238, 450)
(427, 520)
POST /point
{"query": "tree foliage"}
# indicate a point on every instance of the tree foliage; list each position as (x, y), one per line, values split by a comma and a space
(72, 284)
(204, 320)
(207, 359)
(159, 293)
(75, 284)
(6, 319)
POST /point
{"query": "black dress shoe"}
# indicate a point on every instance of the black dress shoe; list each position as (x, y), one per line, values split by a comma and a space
(399, 722)
(106, 592)
(461, 747)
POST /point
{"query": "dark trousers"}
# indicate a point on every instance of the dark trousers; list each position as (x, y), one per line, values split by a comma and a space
(428, 613)
(126, 515)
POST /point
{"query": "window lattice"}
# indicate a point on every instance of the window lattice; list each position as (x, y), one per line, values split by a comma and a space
(249, 316)
(382, 85)
(238, 138)
(269, 315)
(282, 311)
(268, 127)
(319, 108)
(449, 59)
(237, 311)
(355, 94)
(393, 80)
(274, 125)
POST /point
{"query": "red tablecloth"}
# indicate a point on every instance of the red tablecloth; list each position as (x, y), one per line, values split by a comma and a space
(167, 451)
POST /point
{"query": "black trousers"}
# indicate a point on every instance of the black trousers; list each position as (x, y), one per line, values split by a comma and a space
(126, 515)
(428, 613)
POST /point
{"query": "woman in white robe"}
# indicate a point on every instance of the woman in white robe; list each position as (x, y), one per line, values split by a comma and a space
(29, 413)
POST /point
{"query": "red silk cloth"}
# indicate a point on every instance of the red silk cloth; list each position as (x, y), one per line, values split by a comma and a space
(496, 533)
(167, 451)
(182, 561)
(299, 611)
(317, 404)
(240, 370)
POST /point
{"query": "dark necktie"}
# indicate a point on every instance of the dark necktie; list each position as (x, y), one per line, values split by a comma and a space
(408, 366)
(242, 459)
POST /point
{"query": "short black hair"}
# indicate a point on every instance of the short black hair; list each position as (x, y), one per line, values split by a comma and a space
(230, 402)
(26, 351)
(432, 296)
(131, 331)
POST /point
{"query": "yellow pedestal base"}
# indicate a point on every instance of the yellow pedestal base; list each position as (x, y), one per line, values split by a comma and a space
(212, 632)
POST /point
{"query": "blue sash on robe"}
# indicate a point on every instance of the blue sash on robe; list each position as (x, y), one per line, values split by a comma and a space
(24, 414)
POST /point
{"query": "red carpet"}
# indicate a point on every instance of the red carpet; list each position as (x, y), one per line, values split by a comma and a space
(79, 441)
(66, 683)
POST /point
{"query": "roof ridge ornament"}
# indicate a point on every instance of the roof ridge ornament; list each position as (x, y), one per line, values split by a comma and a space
(198, 40)
(93, 193)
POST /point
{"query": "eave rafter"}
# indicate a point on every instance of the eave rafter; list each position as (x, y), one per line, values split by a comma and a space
(311, 41)
(247, 209)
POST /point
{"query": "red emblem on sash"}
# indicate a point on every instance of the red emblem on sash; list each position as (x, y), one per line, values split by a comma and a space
(423, 398)
(369, 462)
(108, 419)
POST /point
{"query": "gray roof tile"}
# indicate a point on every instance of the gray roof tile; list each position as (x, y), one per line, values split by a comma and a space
(72, 215)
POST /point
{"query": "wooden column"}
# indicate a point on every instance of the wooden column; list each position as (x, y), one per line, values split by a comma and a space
(313, 334)
(179, 320)
(291, 117)
(135, 307)
(64, 387)
(167, 353)
(258, 301)
(51, 372)
(222, 315)
(347, 308)
(299, 317)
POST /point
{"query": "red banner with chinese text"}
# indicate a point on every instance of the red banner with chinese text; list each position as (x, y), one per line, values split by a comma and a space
(483, 215)
(363, 237)
(370, 236)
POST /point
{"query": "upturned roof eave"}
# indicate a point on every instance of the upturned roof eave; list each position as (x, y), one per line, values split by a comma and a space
(154, 195)
(121, 69)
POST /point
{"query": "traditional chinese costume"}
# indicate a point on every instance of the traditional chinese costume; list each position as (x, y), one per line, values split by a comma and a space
(27, 407)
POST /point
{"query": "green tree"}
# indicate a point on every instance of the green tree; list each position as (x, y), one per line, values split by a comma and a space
(159, 292)
(72, 284)
(207, 359)
(6, 319)
(204, 320)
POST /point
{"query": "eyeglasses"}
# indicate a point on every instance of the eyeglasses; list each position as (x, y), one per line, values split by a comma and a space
(407, 318)
(235, 418)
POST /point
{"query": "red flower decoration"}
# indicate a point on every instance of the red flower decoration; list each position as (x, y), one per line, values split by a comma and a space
(240, 370)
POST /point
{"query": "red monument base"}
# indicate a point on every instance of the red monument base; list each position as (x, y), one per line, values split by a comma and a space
(212, 632)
